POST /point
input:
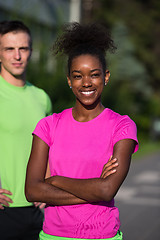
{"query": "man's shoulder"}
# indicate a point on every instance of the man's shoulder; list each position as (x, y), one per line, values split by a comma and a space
(33, 87)
(40, 96)
(36, 90)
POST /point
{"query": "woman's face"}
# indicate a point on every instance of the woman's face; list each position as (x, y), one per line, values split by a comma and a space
(87, 79)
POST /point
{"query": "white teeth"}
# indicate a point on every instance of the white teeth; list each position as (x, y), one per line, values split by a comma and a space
(88, 93)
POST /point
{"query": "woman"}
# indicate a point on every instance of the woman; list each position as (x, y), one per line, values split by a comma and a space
(78, 142)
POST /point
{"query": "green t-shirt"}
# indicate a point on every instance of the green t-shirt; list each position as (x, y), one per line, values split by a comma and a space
(20, 110)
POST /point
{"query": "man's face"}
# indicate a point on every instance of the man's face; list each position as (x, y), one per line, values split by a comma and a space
(15, 52)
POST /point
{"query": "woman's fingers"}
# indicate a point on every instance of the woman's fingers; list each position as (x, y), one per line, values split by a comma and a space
(109, 168)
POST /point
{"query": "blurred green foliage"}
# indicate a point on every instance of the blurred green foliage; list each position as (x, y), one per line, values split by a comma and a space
(135, 72)
(134, 86)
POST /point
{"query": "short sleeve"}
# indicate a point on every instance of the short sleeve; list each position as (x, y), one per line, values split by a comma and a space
(125, 128)
(45, 128)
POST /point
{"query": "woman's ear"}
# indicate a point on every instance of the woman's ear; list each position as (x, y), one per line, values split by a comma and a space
(107, 76)
(69, 82)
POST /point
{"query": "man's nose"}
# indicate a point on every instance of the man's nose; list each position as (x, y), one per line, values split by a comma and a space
(17, 54)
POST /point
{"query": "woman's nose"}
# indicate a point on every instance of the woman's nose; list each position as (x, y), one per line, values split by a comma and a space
(87, 81)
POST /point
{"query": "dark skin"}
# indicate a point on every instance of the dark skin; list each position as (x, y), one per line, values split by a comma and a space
(87, 80)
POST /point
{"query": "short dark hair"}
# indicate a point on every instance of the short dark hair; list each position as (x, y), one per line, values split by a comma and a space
(77, 39)
(14, 26)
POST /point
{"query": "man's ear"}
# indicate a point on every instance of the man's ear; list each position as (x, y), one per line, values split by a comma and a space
(69, 82)
(107, 76)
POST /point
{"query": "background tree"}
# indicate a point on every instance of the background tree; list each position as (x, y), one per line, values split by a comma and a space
(134, 86)
(135, 72)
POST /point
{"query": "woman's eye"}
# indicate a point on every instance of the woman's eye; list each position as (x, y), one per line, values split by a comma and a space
(77, 76)
(95, 75)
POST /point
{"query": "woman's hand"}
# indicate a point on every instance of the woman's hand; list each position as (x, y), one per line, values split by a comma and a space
(107, 185)
(60, 190)
(109, 168)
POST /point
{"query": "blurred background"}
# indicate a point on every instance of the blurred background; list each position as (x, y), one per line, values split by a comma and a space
(134, 86)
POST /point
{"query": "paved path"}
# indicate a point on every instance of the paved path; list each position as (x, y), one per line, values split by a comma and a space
(139, 200)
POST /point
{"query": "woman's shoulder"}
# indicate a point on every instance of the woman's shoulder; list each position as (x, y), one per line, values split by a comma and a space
(116, 119)
(46, 127)
(55, 116)
(114, 115)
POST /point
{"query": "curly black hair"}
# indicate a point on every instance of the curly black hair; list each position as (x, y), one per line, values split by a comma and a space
(78, 39)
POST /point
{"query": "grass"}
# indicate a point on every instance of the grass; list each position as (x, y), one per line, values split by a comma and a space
(146, 147)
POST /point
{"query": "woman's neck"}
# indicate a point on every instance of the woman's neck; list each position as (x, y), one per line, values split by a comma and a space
(87, 113)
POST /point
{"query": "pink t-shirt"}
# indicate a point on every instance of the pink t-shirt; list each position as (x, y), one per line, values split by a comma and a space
(79, 150)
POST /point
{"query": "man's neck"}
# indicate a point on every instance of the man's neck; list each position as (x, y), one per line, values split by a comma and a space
(18, 81)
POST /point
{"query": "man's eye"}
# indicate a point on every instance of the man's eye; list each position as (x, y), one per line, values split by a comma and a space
(9, 49)
(24, 49)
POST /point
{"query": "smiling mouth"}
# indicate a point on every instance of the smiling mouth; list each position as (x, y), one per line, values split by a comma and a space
(87, 92)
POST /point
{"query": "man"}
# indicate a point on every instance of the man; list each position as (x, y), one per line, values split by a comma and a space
(22, 105)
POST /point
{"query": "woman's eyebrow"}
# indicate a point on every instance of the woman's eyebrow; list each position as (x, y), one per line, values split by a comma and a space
(76, 71)
(93, 70)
